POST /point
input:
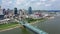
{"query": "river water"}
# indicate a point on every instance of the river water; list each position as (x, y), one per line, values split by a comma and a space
(51, 26)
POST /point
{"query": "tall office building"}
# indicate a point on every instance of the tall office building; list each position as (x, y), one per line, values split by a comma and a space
(30, 10)
(8, 10)
(4, 11)
(15, 11)
(1, 13)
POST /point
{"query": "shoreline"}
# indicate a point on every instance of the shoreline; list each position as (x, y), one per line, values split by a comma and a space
(42, 20)
(36, 22)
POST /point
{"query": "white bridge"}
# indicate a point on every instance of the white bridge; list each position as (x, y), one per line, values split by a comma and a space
(31, 28)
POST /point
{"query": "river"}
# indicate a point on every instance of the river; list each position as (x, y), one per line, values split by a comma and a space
(51, 26)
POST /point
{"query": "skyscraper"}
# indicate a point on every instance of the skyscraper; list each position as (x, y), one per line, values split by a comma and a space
(4, 11)
(8, 10)
(30, 10)
(0, 7)
(15, 11)
(1, 13)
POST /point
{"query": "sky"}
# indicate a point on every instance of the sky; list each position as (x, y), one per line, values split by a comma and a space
(35, 4)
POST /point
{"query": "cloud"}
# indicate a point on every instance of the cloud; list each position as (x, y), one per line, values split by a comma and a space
(10, 2)
(32, 0)
(52, 0)
(19, 1)
(38, 3)
(43, 0)
(48, 5)
(27, 3)
(6, 3)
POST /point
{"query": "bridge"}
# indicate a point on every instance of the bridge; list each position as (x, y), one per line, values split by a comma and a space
(31, 28)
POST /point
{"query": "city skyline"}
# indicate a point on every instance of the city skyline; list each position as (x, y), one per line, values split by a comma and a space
(35, 4)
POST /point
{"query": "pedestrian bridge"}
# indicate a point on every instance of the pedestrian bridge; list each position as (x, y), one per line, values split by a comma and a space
(31, 28)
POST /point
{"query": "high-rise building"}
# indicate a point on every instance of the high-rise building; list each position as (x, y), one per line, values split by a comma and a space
(1, 13)
(8, 10)
(15, 11)
(30, 10)
(4, 11)
(0, 7)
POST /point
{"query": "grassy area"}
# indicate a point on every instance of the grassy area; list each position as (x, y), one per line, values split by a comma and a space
(33, 20)
(6, 26)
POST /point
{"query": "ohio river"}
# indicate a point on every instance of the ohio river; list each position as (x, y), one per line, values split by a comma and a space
(51, 26)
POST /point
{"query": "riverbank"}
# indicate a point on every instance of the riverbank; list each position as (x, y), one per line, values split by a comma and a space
(42, 20)
(31, 20)
(38, 21)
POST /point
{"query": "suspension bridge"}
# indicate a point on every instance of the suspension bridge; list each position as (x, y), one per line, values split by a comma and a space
(31, 28)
